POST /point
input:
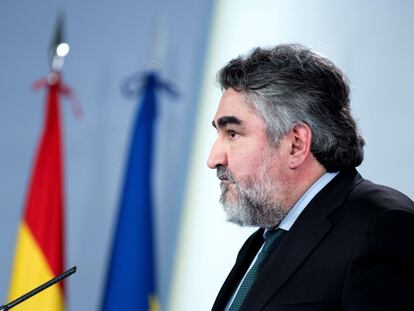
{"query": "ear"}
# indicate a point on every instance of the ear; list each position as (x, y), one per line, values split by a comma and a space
(301, 140)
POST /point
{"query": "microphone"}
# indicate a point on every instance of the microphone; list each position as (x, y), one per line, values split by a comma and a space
(38, 289)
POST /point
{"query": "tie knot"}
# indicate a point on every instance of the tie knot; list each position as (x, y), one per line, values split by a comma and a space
(272, 239)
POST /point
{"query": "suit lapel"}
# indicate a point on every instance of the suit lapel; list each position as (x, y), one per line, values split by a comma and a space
(244, 258)
(309, 229)
(294, 248)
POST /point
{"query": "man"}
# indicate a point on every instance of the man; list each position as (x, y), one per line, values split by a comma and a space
(286, 153)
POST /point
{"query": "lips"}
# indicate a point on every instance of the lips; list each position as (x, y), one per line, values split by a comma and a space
(224, 175)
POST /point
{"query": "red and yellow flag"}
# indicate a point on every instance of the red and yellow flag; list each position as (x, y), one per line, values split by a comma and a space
(39, 251)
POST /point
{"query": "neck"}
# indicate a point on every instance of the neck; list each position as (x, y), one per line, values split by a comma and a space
(302, 179)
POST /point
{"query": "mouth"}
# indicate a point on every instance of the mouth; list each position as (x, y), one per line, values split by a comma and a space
(224, 175)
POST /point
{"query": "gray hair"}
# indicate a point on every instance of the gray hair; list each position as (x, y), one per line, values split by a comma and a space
(291, 84)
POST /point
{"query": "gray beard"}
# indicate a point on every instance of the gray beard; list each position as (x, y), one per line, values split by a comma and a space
(250, 204)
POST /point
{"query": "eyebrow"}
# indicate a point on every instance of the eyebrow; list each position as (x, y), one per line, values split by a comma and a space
(225, 120)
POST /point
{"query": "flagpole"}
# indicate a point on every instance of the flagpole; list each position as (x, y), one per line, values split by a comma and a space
(59, 49)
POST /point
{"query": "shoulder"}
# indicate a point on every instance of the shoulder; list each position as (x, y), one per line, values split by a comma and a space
(364, 205)
(369, 195)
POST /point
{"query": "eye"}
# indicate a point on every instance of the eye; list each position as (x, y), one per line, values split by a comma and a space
(232, 134)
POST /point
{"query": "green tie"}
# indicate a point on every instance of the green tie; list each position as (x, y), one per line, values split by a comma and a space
(271, 241)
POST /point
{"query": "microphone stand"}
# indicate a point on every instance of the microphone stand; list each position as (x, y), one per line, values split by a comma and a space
(38, 289)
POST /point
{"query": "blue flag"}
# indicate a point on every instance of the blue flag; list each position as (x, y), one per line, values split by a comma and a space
(131, 278)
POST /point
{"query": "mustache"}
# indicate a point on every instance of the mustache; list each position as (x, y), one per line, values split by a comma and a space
(223, 173)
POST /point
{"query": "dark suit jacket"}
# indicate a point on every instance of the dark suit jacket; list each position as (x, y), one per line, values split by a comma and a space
(352, 248)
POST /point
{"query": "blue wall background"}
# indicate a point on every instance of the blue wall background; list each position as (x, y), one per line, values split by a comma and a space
(109, 40)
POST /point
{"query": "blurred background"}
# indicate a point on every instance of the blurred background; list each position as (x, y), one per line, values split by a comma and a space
(189, 41)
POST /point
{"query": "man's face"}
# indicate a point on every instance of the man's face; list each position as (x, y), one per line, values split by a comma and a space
(251, 170)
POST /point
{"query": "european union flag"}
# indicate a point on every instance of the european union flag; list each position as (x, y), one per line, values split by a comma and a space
(131, 279)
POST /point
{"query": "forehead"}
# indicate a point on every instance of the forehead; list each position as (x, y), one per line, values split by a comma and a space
(234, 104)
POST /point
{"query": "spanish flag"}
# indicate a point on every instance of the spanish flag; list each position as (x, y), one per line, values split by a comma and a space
(39, 251)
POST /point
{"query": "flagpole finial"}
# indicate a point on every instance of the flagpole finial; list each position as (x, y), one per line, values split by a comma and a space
(158, 44)
(59, 48)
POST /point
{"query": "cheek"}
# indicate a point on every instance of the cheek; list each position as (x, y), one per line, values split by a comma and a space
(242, 165)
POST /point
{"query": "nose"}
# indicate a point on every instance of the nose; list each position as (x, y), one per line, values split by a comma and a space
(218, 155)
